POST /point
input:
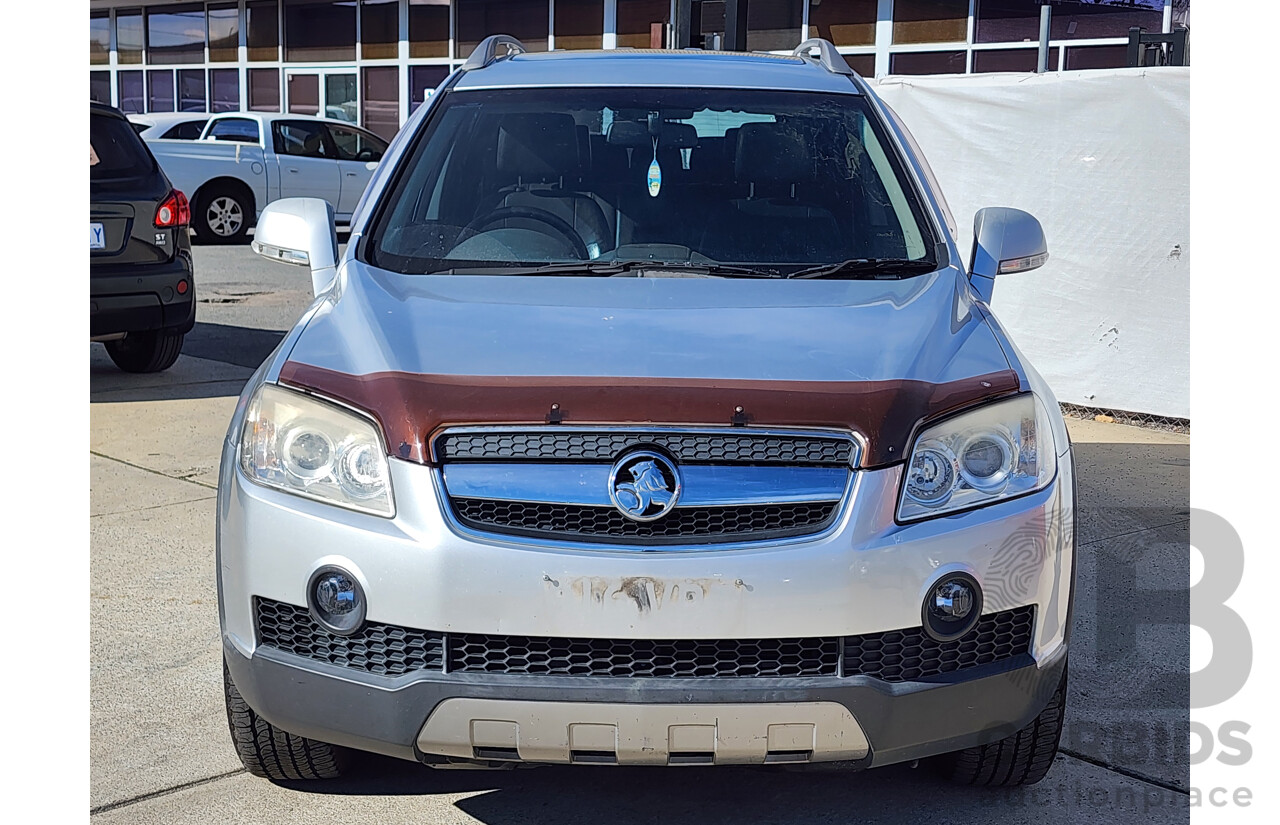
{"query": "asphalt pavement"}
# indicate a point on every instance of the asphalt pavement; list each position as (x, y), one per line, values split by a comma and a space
(159, 746)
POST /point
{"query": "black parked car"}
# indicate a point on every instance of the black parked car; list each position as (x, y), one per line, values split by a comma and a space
(141, 290)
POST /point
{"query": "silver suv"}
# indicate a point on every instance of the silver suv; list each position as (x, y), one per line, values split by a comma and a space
(559, 468)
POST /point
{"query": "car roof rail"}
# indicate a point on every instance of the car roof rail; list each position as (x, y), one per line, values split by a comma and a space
(830, 59)
(487, 53)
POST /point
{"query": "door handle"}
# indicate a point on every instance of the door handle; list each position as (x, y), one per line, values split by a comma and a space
(351, 174)
(293, 171)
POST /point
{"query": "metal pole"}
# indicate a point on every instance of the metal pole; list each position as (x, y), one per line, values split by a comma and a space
(1042, 60)
(735, 25)
(683, 27)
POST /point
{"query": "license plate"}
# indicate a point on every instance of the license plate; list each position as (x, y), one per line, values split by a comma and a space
(97, 238)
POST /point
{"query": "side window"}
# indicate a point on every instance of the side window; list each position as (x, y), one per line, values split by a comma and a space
(237, 129)
(355, 145)
(188, 131)
(301, 138)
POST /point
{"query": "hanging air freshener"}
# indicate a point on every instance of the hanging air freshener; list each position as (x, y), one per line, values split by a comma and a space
(655, 173)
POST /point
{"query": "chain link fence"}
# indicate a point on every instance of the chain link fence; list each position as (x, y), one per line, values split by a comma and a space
(1147, 420)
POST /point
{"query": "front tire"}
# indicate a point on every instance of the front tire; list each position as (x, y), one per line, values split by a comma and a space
(222, 215)
(271, 753)
(150, 351)
(1021, 759)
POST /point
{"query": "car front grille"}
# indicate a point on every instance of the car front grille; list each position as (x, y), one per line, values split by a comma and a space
(553, 483)
(704, 524)
(676, 658)
(891, 656)
(740, 447)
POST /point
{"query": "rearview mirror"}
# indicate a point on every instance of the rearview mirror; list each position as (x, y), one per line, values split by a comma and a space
(1005, 241)
(300, 231)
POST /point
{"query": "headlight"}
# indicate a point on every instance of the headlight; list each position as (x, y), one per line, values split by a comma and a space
(301, 445)
(986, 455)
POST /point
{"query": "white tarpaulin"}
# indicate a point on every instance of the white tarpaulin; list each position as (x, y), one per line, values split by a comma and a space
(1103, 160)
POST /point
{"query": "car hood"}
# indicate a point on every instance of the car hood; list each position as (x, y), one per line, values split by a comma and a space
(421, 352)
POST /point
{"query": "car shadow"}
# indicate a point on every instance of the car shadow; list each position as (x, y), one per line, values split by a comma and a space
(216, 360)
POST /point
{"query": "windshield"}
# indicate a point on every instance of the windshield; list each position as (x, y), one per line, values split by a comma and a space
(765, 181)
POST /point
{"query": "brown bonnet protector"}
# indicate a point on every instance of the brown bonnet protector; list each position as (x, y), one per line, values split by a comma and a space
(412, 407)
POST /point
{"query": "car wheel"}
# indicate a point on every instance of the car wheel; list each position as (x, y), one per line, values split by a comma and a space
(222, 216)
(269, 752)
(150, 351)
(1021, 759)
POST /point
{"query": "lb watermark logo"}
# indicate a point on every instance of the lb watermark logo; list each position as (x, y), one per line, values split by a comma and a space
(1132, 693)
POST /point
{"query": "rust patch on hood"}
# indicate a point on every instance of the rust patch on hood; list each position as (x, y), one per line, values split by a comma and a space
(411, 407)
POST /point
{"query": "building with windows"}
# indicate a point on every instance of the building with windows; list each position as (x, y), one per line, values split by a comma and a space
(373, 62)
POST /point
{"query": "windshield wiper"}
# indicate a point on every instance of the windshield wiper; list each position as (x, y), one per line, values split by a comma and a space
(882, 268)
(607, 268)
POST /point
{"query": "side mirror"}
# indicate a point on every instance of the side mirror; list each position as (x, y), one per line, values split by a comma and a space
(300, 231)
(1005, 241)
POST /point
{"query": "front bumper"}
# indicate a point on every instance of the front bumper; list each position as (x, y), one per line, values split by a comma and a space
(865, 574)
(537, 719)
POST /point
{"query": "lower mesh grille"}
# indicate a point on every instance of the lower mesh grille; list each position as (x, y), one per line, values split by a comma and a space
(687, 658)
(709, 524)
(907, 655)
(893, 656)
(377, 648)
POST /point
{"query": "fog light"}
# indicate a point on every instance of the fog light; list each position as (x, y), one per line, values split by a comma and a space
(952, 600)
(336, 600)
(952, 607)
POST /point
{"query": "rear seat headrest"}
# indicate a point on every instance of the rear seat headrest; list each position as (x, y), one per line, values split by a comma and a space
(771, 153)
(539, 147)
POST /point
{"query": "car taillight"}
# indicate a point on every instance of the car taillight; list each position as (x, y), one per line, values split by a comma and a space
(173, 211)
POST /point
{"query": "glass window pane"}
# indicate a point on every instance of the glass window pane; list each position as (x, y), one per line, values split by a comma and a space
(129, 92)
(930, 21)
(235, 129)
(773, 25)
(352, 144)
(424, 79)
(926, 63)
(849, 23)
(303, 94)
(428, 28)
(1006, 21)
(319, 30)
(160, 90)
(636, 21)
(263, 35)
(1104, 18)
(863, 64)
(175, 35)
(224, 90)
(1097, 57)
(300, 137)
(99, 37)
(340, 97)
(224, 33)
(130, 38)
(380, 101)
(579, 24)
(264, 90)
(191, 92)
(524, 20)
(379, 29)
(100, 87)
(1011, 60)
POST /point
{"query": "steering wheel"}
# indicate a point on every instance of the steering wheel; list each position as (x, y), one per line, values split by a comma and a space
(559, 224)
